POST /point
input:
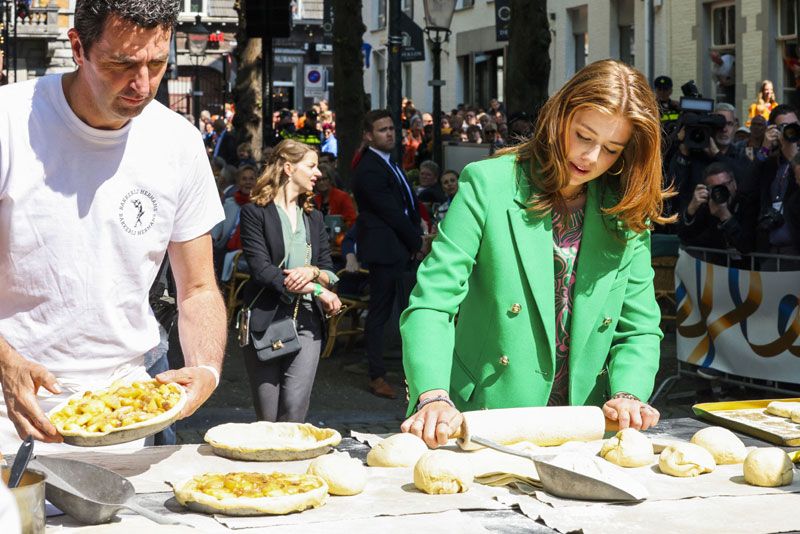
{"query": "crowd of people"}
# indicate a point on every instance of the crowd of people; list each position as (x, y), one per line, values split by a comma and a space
(736, 181)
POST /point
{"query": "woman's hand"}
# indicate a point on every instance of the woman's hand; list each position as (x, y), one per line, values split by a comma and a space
(435, 422)
(630, 412)
(330, 302)
(297, 278)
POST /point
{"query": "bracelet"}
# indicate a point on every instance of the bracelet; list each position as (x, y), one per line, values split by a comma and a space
(213, 371)
(317, 290)
(438, 398)
(317, 272)
(623, 395)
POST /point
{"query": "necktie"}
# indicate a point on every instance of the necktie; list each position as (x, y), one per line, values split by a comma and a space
(403, 184)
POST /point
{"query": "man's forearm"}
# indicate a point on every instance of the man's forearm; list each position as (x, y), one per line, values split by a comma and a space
(202, 328)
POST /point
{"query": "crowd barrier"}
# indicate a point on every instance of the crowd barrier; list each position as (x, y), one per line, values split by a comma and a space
(737, 325)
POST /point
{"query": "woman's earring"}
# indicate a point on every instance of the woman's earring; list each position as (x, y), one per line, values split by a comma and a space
(622, 168)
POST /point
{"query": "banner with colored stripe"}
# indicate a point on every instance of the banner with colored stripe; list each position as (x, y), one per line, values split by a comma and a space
(745, 323)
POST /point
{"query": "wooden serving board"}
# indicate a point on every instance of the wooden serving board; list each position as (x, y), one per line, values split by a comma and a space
(750, 417)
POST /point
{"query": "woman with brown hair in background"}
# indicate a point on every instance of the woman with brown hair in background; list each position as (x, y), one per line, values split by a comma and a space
(287, 250)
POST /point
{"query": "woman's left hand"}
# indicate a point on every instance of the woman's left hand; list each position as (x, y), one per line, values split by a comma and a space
(631, 413)
(297, 278)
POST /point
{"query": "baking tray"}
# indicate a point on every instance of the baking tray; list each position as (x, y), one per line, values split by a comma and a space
(750, 417)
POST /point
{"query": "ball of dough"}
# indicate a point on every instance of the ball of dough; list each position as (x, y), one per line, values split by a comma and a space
(782, 408)
(629, 448)
(685, 460)
(399, 450)
(724, 445)
(768, 467)
(343, 474)
(443, 472)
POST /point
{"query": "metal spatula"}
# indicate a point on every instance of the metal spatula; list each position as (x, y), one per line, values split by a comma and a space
(569, 484)
(89, 493)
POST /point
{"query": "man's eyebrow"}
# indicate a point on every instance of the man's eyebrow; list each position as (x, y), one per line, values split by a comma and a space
(122, 58)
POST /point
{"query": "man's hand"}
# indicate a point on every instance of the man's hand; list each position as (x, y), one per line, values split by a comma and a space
(712, 149)
(199, 383)
(21, 379)
(771, 137)
(720, 211)
(351, 263)
(631, 413)
(297, 278)
(435, 422)
(682, 148)
(699, 197)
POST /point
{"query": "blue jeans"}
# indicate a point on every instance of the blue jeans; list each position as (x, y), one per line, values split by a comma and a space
(156, 362)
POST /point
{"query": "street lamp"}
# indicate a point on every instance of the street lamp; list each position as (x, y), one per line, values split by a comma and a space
(197, 42)
(438, 16)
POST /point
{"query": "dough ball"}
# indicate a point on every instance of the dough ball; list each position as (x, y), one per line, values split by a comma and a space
(399, 450)
(629, 448)
(782, 408)
(768, 467)
(794, 415)
(443, 472)
(723, 445)
(685, 460)
(343, 474)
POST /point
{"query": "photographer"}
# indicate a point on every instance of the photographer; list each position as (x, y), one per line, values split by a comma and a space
(703, 141)
(778, 230)
(718, 217)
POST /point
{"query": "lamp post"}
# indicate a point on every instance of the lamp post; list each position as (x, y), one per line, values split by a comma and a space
(438, 16)
(197, 42)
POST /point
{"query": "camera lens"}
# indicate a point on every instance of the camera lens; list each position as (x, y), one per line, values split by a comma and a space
(791, 132)
(720, 194)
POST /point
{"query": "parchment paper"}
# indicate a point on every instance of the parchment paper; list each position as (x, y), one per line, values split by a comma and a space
(389, 492)
(714, 515)
(498, 468)
(451, 521)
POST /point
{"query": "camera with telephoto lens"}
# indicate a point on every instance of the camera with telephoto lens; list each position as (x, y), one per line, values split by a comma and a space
(790, 131)
(771, 220)
(720, 194)
(697, 118)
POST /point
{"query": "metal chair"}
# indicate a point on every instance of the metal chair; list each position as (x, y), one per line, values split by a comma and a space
(356, 305)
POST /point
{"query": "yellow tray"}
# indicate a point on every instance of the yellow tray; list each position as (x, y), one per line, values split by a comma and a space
(750, 417)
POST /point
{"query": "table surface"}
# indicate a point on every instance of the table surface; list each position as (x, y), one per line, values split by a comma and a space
(502, 521)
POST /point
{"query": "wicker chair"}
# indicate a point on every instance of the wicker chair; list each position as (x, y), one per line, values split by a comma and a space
(664, 284)
(356, 305)
(233, 287)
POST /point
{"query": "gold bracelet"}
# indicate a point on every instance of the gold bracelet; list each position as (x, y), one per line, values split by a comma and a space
(623, 395)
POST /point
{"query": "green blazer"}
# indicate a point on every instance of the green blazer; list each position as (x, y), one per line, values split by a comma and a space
(492, 265)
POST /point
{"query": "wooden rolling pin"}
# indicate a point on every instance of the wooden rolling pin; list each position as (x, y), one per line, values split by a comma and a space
(544, 426)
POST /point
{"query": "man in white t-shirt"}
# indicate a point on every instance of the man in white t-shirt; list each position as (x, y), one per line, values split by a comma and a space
(97, 183)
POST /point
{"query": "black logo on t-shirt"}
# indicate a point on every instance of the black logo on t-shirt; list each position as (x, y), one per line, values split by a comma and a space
(137, 211)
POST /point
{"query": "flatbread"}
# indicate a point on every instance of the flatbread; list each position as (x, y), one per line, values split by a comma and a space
(782, 408)
(265, 493)
(131, 432)
(263, 441)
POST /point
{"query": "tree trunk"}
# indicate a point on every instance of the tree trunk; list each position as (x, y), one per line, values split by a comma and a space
(349, 99)
(247, 91)
(528, 56)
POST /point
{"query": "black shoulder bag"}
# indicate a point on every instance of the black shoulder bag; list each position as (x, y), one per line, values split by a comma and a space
(280, 339)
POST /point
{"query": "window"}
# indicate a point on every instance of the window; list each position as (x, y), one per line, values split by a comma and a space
(723, 25)
(787, 17)
(408, 7)
(464, 4)
(194, 6)
(380, 14)
(626, 45)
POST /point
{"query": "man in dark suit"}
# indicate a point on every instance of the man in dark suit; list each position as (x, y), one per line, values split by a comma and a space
(225, 147)
(389, 234)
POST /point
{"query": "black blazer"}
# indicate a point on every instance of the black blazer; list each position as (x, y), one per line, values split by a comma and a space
(386, 234)
(766, 173)
(262, 242)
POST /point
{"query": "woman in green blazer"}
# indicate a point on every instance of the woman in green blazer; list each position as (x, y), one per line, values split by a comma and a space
(539, 289)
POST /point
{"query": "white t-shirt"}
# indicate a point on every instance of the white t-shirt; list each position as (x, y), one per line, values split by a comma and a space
(85, 219)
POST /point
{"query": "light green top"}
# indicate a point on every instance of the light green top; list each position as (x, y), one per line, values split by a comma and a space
(294, 243)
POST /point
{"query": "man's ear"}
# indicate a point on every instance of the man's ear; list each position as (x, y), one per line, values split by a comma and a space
(78, 52)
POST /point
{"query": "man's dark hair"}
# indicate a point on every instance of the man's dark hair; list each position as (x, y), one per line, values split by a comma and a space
(374, 116)
(780, 109)
(91, 16)
(717, 168)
